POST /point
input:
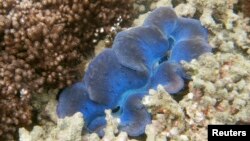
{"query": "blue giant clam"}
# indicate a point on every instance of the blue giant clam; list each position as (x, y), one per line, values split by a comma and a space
(140, 58)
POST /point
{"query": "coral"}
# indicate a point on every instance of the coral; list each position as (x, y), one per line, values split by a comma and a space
(230, 32)
(219, 92)
(221, 10)
(140, 59)
(168, 119)
(41, 45)
(110, 130)
(244, 6)
(67, 129)
(205, 102)
(70, 129)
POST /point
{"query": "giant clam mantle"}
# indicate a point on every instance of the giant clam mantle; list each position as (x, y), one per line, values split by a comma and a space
(140, 58)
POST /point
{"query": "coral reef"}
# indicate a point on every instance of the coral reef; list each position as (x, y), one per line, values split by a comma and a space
(67, 129)
(219, 90)
(41, 44)
(168, 119)
(111, 131)
(140, 59)
(225, 25)
(70, 129)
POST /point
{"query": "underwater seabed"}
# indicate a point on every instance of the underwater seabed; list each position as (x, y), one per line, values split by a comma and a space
(218, 92)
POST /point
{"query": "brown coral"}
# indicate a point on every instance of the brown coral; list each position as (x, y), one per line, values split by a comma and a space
(245, 6)
(41, 43)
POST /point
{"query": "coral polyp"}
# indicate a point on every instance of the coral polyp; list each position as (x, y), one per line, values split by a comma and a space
(140, 58)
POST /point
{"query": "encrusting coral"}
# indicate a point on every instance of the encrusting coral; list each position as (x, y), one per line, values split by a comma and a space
(168, 119)
(68, 129)
(41, 44)
(140, 59)
(219, 93)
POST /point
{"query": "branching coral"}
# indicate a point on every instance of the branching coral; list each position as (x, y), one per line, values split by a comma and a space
(140, 59)
(41, 44)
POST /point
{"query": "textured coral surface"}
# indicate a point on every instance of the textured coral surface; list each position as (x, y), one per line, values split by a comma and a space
(245, 7)
(219, 96)
(41, 45)
(140, 59)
